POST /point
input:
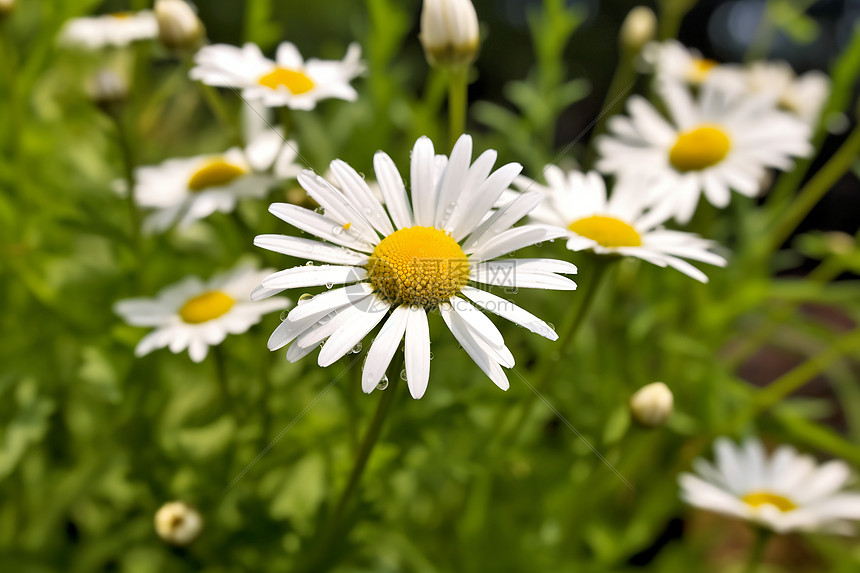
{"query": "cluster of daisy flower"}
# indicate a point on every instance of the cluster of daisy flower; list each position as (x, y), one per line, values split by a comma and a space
(390, 256)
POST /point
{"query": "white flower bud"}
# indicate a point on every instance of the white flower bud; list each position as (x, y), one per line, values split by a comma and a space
(651, 405)
(178, 523)
(179, 28)
(6, 6)
(449, 32)
(108, 87)
(639, 28)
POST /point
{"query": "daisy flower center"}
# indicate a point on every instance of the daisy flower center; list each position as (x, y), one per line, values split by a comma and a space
(418, 265)
(214, 173)
(699, 148)
(121, 15)
(297, 82)
(759, 498)
(607, 231)
(699, 70)
(205, 307)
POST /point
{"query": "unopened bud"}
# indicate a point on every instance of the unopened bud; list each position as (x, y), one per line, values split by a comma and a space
(178, 523)
(639, 28)
(449, 32)
(108, 88)
(652, 405)
(179, 28)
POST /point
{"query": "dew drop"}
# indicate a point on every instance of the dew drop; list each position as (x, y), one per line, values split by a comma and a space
(309, 264)
(329, 285)
(283, 316)
(356, 349)
(305, 298)
(319, 210)
(361, 175)
(383, 384)
(432, 356)
(403, 375)
(337, 230)
(551, 325)
(538, 245)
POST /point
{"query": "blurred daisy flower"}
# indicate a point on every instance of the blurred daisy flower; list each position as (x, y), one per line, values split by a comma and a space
(194, 314)
(118, 29)
(288, 81)
(783, 492)
(672, 61)
(617, 225)
(177, 523)
(803, 96)
(186, 190)
(404, 260)
(718, 142)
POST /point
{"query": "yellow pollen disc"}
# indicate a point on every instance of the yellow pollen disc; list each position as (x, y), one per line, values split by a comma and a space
(760, 498)
(297, 82)
(700, 69)
(205, 307)
(346, 226)
(121, 15)
(607, 231)
(214, 173)
(418, 265)
(699, 148)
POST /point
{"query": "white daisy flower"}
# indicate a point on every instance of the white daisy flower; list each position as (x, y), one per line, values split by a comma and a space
(803, 96)
(616, 225)
(406, 259)
(672, 61)
(194, 314)
(186, 190)
(784, 492)
(288, 81)
(118, 29)
(715, 143)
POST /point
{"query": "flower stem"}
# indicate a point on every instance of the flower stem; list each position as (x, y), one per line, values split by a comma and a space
(762, 536)
(127, 152)
(221, 375)
(811, 193)
(458, 84)
(371, 437)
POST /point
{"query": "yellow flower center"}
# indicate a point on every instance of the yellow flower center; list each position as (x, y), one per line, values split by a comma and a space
(205, 307)
(700, 69)
(607, 231)
(297, 82)
(121, 15)
(699, 148)
(214, 173)
(760, 498)
(418, 265)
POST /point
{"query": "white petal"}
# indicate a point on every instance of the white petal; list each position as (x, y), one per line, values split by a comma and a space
(482, 200)
(417, 351)
(393, 190)
(309, 249)
(515, 239)
(423, 182)
(317, 275)
(484, 361)
(337, 206)
(383, 348)
(350, 334)
(453, 179)
(319, 225)
(510, 311)
(503, 219)
(360, 194)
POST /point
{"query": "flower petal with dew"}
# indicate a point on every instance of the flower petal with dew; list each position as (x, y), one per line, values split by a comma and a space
(784, 492)
(400, 261)
(618, 225)
(186, 190)
(714, 143)
(194, 314)
(287, 81)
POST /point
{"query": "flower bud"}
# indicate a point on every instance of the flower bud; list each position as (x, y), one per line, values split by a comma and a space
(179, 28)
(178, 523)
(6, 6)
(449, 32)
(639, 28)
(108, 88)
(651, 405)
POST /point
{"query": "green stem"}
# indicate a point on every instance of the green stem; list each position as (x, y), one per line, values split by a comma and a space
(762, 536)
(221, 375)
(672, 12)
(797, 377)
(371, 437)
(811, 193)
(285, 116)
(458, 87)
(124, 141)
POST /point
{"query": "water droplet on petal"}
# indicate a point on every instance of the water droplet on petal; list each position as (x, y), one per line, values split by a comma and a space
(320, 210)
(284, 315)
(309, 264)
(356, 349)
(383, 384)
(432, 356)
(305, 298)
(551, 325)
(403, 375)
(329, 285)
(361, 175)
(337, 230)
